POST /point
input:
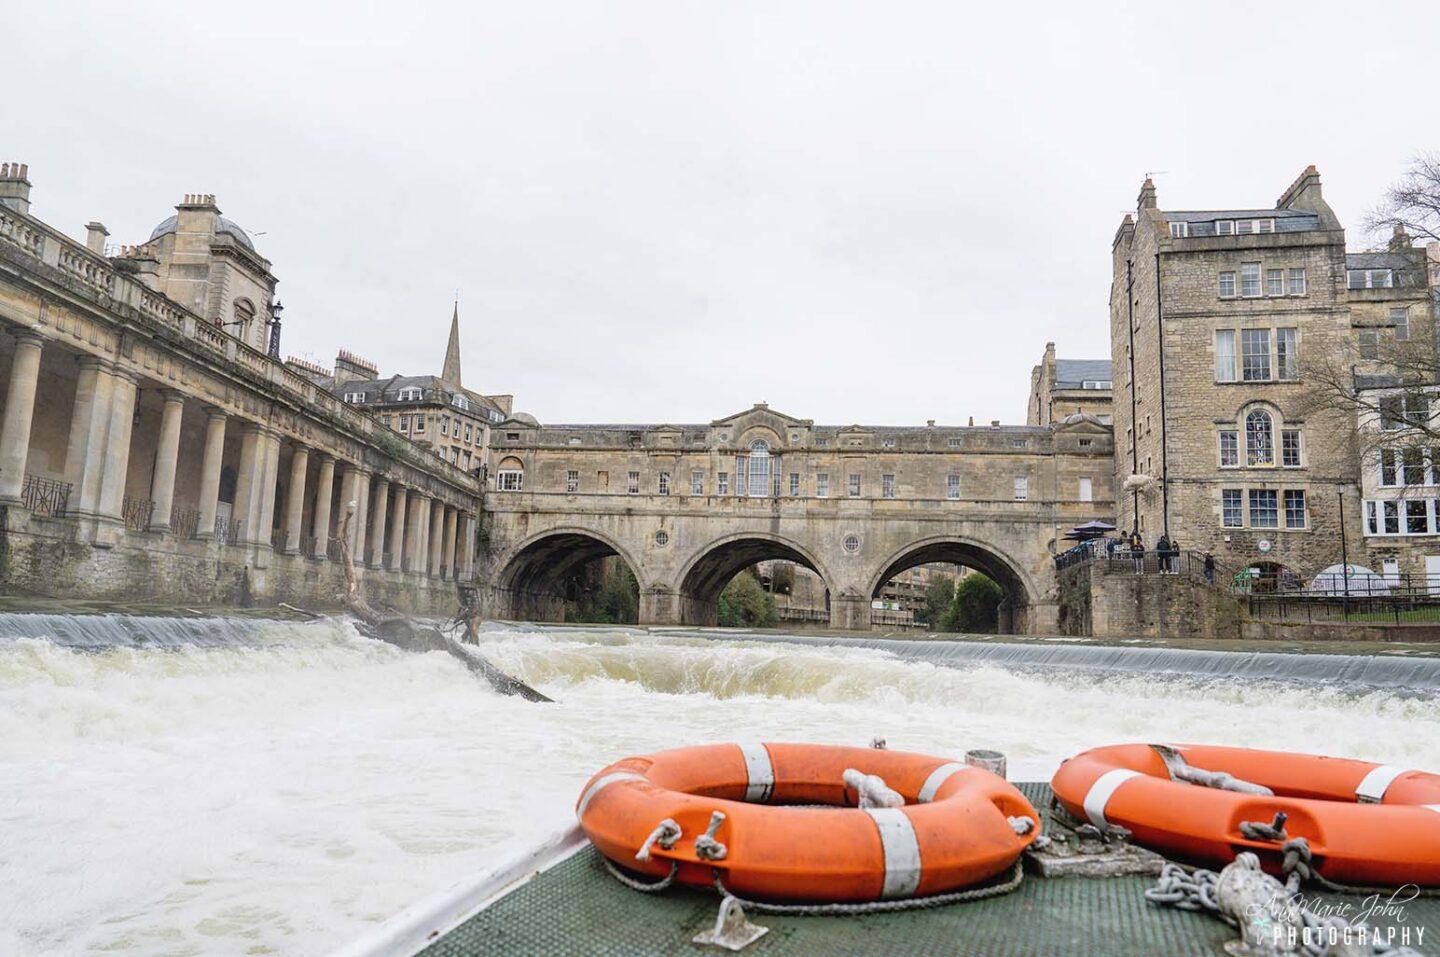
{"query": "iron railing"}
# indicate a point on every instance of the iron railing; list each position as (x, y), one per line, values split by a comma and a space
(44, 496)
(137, 513)
(184, 521)
(227, 533)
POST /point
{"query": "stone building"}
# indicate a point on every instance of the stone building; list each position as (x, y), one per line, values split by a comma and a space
(1061, 387)
(434, 412)
(688, 506)
(1224, 326)
(150, 448)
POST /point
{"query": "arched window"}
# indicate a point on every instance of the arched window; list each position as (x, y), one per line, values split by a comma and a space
(1259, 438)
(244, 319)
(510, 476)
(759, 469)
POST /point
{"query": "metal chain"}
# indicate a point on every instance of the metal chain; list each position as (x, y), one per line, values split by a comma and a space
(1017, 875)
(653, 887)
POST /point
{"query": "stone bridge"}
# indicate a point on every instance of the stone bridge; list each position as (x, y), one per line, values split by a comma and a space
(688, 507)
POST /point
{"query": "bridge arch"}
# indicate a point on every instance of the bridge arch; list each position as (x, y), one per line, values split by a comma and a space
(535, 576)
(1020, 589)
(705, 575)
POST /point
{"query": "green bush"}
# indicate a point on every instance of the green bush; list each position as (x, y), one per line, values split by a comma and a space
(976, 606)
(615, 602)
(939, 596)
(744, 604)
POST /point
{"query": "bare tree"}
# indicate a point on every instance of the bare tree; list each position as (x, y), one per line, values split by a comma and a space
(1412, 204)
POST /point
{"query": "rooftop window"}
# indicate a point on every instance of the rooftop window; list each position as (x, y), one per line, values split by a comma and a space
(1371, 278)
(355, 398)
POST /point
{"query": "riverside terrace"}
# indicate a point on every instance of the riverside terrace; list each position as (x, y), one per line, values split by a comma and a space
(146, 453)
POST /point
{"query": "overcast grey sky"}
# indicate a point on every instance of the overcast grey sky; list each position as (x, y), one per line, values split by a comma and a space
(664, 212)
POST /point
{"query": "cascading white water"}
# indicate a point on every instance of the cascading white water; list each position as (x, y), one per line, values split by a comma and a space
(240, 787)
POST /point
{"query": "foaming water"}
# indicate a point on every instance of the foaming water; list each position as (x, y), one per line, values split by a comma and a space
(224, 786)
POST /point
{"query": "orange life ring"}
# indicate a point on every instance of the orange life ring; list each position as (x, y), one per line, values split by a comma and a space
(1365, 823)
(954, 830)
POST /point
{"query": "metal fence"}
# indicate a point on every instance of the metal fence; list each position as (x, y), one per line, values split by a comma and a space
(43, 496)
(227, 533)
(184, 521)
(137, 513)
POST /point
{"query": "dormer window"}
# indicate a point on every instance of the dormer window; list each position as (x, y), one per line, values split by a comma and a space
(410, 394)
(460, 402)
(1179, 230)
(1224, 227)
(1371, 278)
(355, 398)
(1246, 226)
(1097, 384)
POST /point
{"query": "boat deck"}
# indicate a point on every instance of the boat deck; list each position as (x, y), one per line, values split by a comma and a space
(575, 907)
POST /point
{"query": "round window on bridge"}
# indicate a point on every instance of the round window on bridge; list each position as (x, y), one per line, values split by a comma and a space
(852, 543)
(662, 538)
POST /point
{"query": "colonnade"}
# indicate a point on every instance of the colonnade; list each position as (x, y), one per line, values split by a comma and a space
(394, 526)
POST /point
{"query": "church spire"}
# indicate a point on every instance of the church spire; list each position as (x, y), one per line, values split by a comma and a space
(450, 373)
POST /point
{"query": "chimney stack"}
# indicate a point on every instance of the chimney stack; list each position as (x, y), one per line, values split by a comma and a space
(15, 186)
(1400, 239)
(95, 233)
(1146, 199)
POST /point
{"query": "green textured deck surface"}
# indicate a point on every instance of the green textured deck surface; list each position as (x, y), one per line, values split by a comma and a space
(576, 908)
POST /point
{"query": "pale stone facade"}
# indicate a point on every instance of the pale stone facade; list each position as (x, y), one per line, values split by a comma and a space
(146, 451)
(1061, 387)
(688, 506)
(1220, 320)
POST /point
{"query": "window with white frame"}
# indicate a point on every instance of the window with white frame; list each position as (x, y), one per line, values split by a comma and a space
(1087, 489)
(1370, 278)
(1287, 355)
(1022, 488)
(1255, 355)
(1245, 227)
(663, 486)
(1224, 227)
(697, 482)
(1400, 322)
(1097, 384)
(888, 442)
(1297, 281)
(1232, 509)
(418, 425)
(1295, 515)
(1411, 516)
(445, 426)
(1412, 466)
(632, 483)
(404, 423)
(1249, 279)
(355, 398)
(952, 487)
(1264, 508)
(410, 394)
(572, 478)
(822, 484)
(1259, 438)
(722, 483)
(1225, 355)
(1229, 448)
(760, 465)
(1227, 284)
(510, 480)
(1179, 230)
(460, 402)
(954, 442)
(854, 486)
(1274, 282)
(794, 484)
(1290, 448)
(887, 485)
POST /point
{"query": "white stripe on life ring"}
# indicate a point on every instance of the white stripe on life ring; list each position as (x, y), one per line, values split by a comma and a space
(604, 782)
(902, 851)
(938, 777)
(760, 773)
(1372, 789)
(1432, 807)
(1102, 790)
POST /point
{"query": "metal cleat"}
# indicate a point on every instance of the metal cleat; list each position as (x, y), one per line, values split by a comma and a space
(731, 931)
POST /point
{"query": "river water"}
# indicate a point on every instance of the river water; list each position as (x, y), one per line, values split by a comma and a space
(233, 787)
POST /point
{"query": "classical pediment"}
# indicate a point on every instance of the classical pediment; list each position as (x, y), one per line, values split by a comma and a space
(761, 414)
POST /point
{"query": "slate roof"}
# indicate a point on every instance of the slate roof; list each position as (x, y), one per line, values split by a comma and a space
(1202, 221)
(1073, 373)
(1383, 259)
(378, 390)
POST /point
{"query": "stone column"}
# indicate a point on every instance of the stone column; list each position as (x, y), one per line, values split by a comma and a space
(436, 541)
(447, 558)
(85, 452)
(167, 455)
(414, 555)
(210, 473)
(269, 482)
(361, 523)
(117, 447)
(247, 484)
(324, 488)
(19, 413)
(397, 531)
(295, 500)
(378, 511)
(467, 548)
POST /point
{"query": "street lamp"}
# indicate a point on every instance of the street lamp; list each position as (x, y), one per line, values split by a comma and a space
(276, 308)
